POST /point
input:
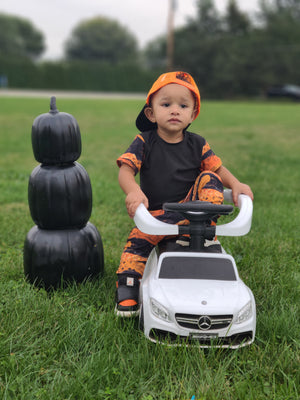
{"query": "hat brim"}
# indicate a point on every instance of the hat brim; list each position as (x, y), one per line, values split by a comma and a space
(143, 123)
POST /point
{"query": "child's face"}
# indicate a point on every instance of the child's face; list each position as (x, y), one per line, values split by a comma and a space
(172, 108)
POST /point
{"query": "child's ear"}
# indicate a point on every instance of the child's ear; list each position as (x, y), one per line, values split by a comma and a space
(149, 114)
(193, 115)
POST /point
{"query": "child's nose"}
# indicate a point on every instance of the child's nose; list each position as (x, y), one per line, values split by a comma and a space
(175, 109)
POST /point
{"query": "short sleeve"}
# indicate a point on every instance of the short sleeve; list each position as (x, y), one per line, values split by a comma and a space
(134, 155)
(210, 162)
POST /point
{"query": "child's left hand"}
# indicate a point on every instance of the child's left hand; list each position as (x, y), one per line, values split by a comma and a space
(237, 187)
(241, 188)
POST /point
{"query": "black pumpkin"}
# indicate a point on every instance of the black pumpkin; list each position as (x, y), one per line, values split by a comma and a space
(53, 257)
(56, 137)
(60, 197)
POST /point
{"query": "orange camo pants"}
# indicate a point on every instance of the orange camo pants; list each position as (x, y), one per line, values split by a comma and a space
(208, 187)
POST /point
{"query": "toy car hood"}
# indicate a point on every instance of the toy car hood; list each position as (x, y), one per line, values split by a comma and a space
(200, 297)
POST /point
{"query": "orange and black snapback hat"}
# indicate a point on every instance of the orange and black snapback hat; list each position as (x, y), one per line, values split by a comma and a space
(179, 77)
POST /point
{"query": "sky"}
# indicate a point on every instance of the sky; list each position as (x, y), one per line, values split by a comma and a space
(143, 18)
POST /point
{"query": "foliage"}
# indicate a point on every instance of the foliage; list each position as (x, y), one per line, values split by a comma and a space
(18, 37)
(237, 23)
(77, 75)
(232, 55)
(101, 39)
(208, 21)
(69, 345)
(275, 8)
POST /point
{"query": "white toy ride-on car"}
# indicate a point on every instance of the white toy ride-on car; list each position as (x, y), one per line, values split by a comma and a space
(193, 294)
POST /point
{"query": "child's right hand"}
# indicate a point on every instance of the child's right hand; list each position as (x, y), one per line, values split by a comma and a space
(133, 200)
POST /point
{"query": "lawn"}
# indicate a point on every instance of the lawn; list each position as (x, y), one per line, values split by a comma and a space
(69, 345)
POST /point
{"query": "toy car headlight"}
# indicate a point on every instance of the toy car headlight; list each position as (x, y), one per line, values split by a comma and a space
(159, 311)
(244, 314)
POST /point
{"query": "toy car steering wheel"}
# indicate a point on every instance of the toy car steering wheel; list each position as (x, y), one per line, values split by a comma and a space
(198, 210)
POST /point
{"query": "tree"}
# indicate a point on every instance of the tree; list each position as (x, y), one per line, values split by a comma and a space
(237, 23)
(208, 20)
(230, 56)
(155, 53)
(279, 8)
(280, 40)
(101, 39)
(194, 43)
(19, 38)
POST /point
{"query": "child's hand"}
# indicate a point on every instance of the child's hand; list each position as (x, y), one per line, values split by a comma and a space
(134, 195)
(241, 188)
(133, 200)
(230, 181)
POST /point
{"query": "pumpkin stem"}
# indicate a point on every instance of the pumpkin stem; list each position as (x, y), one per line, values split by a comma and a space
(53, 108)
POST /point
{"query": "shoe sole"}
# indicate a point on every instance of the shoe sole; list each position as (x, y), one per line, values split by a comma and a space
(127, 314)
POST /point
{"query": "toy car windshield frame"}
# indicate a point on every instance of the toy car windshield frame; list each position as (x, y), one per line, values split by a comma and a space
(188, 267)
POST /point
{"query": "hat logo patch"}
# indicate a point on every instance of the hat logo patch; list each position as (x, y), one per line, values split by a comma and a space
(183, 76)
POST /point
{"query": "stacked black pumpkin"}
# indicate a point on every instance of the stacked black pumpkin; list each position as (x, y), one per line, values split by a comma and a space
(63, 246)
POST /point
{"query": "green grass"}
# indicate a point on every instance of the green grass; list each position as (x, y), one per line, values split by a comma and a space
(69, 344)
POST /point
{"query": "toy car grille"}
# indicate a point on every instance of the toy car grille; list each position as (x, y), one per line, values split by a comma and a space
(203, 322)
(242, 338)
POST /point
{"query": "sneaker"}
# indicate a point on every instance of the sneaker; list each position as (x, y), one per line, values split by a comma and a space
(127, 296)
(184, 241)
(213, 246)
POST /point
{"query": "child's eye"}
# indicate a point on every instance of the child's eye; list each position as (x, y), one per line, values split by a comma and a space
(183, 105)
(166, 104)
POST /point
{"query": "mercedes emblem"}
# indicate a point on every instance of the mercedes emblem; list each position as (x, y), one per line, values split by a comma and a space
(204, 323)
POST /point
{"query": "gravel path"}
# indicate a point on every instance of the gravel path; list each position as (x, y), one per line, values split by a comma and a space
(70, 94)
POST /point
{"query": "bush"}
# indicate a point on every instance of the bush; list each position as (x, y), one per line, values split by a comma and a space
(77, 75)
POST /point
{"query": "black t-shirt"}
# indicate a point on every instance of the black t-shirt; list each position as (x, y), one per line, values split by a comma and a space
(168, 170)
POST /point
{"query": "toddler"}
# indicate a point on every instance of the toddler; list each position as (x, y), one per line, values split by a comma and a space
(175, 165)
